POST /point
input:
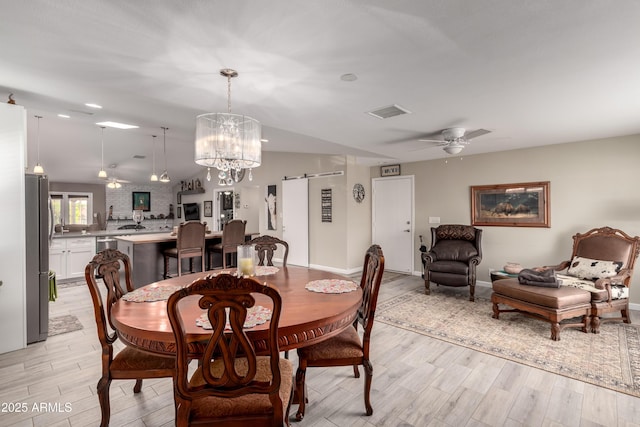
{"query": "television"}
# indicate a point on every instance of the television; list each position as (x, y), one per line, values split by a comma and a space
(191, 211)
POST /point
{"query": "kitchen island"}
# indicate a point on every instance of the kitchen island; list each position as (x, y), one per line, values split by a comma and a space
(145, 251)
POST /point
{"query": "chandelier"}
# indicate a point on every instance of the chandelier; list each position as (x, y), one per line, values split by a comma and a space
(228, 142)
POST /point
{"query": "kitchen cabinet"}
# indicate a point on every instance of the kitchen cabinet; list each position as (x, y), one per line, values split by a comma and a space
(69, 257)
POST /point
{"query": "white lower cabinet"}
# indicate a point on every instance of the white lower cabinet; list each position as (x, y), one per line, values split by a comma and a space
(69, 257)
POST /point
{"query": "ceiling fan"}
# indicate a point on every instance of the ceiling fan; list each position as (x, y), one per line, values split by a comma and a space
(115, 182)
(454, 139)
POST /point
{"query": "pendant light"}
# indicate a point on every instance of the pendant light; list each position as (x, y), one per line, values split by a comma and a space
(165, 175)
(228, 141)
(102, 173)
(154, 177)
(38, 169)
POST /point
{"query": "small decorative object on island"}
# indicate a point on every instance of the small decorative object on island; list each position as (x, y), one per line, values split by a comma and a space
(246, 260)
(138, 217)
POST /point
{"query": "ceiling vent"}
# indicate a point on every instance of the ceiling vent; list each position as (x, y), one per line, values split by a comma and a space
(389, 111)
(139, 156)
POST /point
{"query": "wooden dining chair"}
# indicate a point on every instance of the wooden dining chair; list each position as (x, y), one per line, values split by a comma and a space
(346, 349)
(190, 243)
(232, 235)
(129, 363)
(266, 246)
(233, 385)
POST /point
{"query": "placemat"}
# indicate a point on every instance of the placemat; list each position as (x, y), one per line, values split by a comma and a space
(256, 315)
(151, 293)
(332, 286)
(265, 270)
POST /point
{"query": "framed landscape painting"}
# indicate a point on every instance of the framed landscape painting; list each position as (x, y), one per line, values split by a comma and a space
(511, 205)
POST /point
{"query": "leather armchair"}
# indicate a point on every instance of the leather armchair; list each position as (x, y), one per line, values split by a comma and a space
(455, 252)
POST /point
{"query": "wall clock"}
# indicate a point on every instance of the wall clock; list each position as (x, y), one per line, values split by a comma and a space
(358, 193)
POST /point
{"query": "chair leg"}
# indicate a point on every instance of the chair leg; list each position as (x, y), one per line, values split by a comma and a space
(138, 386)
(356, 371)
(472, 292)
(166, 267)
(368, 377)
(103, 398)
(300, 389)
(595, 324)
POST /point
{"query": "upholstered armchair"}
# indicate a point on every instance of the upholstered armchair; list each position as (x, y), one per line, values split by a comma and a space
(455, 252)
(602, 262)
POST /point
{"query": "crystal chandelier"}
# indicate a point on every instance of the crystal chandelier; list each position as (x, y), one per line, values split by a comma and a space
(228, 141)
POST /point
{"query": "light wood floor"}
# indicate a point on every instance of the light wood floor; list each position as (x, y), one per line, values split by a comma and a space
(418, 381)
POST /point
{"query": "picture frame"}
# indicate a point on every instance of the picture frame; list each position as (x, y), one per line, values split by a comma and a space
(208, 208)
(271, 207)
(179, 211)
(390, 170)
(523, 204)
(141, 200)
(227, 201)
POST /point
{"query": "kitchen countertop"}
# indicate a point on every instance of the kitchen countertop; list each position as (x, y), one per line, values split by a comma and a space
(107, 233)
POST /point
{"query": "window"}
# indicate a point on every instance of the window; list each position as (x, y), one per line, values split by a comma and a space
(72, 208)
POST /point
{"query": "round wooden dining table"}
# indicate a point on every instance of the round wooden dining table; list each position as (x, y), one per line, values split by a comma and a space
(307, 317)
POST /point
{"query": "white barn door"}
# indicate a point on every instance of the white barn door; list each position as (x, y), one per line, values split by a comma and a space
(295, 220)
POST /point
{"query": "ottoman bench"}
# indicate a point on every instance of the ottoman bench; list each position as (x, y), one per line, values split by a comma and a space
(552, 305)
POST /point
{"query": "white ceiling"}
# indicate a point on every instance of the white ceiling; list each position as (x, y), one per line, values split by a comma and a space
(533, 72)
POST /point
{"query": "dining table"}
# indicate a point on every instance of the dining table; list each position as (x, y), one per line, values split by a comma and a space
(316, 305)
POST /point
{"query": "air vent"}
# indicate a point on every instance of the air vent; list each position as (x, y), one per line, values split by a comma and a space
(390, 111)
(88, 113)
(139, 156)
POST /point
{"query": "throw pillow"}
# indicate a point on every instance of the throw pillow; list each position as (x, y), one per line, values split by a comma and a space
(593, 269)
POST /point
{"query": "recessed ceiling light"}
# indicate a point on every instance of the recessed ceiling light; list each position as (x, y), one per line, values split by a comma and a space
(349, 77)
(117, 125)
(264, 140)
(64, 116)
(91, 105)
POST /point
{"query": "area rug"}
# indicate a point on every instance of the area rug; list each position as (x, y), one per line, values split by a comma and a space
(610, 359)
(63, 324)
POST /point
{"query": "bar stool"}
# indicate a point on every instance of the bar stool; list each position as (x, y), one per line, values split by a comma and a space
(189, 244)
(232, 236)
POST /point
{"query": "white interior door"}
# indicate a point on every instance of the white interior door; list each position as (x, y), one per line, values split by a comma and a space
(392, 218)
(295, 220)
(13, 321)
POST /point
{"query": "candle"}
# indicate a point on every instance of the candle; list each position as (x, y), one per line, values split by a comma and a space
(246, 266)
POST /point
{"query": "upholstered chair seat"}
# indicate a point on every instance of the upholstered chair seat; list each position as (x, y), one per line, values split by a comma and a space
(345, 345)
(248, 404)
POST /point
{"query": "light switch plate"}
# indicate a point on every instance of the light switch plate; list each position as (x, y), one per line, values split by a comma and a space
(434, 220)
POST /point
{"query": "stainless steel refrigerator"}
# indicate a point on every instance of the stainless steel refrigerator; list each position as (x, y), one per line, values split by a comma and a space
(38, 232)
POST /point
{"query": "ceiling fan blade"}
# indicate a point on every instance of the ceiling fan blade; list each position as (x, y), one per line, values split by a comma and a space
(476, 133)
(432, 140)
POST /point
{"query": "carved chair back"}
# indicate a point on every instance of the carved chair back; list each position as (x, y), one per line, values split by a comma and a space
(266, 246)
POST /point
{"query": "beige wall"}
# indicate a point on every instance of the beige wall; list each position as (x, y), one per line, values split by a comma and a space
(592, 184)
(338, 245)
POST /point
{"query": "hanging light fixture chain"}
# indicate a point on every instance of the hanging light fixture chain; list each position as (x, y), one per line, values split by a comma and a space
(38, 152)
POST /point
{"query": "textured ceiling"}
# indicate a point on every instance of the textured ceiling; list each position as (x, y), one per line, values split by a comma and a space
(534, 73)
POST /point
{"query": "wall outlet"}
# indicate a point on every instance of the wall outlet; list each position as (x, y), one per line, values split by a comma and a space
(434, 220)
